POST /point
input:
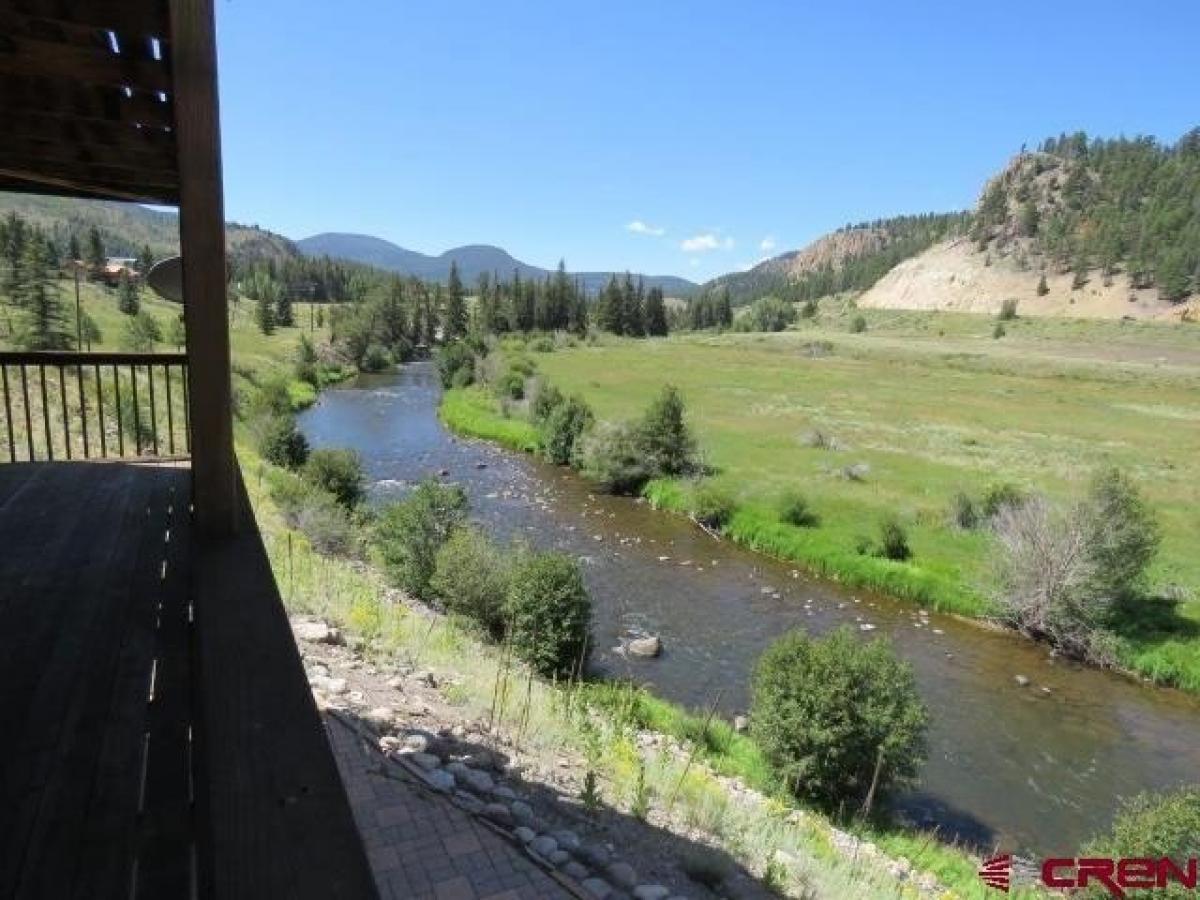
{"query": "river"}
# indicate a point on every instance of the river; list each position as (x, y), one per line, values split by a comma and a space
(1036, 768)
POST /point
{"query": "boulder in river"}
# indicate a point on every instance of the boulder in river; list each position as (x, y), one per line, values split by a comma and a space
(1021, 680)
(645, 646)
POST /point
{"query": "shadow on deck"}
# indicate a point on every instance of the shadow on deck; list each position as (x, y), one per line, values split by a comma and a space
(160, 737)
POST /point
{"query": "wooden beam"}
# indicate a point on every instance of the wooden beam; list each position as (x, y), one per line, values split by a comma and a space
(56, 164)
(202, 246)
(29, 56)
(34, 183)
(63, 98)
(146, 17)
(142, 166)
(91, 134)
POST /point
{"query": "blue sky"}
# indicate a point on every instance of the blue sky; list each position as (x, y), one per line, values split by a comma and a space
(660, 136)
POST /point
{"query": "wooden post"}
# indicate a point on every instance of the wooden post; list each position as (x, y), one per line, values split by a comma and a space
(202, 246)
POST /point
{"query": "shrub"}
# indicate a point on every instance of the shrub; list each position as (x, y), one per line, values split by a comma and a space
(1041, 569)
(769, 314)
(562, 429)
(545, 397)
(1151, 826)
(375, 359)
(305, 367)
(550, 613)
(1062, 573)
(712, 507)
(280, 441)
(611, 455)
(827, 711)
(340, 472)
(665, 437)
(455, 364)
(795, 511)
(819, 440)
(1000, 496)
(964, 512)
(511, 385)
(998, 331)
(1122, 536)
(809, 309)
(470, 578)
(856, 471)
(316, 514)
(893, 540)
(273, 398)
(141, 332)
(409, 533)
(1008, 310)
(858, 325)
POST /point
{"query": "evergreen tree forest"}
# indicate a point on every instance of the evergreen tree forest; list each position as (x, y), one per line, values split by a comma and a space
(1122, 204)
(33, 310)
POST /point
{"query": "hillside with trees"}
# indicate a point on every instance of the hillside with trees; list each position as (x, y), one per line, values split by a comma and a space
(1081, 227)
(852, 258)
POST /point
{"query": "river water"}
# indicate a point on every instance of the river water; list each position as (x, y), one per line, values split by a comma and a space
(1037, 768)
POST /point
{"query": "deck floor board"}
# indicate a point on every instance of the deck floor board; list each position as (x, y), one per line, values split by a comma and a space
(160, 737)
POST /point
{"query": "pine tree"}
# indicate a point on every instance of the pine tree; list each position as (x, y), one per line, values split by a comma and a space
(45, 325)
(609, 309)
(724, 315)
(635, 314)
(284, 314)
(95, 251)
(145, 260)
(656, 313)
(74, 253)
(455, 325)
(14, 245)
(264, 313)
(127, 296)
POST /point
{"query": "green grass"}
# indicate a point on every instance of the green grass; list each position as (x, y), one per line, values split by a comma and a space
(474, 412)
(932, 405)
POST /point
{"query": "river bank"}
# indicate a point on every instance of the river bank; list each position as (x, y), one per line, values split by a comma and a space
(921, 419)
(556, 737)
(1037, 763)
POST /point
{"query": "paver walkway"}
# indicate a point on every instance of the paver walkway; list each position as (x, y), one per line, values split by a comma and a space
(420, 845)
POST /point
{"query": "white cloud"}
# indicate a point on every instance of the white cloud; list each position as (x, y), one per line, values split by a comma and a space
(637, 226)
(767, 244)
(702, 243)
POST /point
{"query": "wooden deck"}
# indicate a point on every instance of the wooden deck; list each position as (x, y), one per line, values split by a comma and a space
(159, 738)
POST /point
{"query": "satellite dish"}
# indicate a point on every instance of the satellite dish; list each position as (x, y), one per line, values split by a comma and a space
(165, 278)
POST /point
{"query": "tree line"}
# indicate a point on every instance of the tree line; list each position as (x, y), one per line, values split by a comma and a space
(391, 317)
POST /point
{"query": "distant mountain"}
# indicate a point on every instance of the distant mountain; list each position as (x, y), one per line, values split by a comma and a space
(473, 260)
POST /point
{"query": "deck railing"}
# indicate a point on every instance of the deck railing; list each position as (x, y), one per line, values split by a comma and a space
(66, 405)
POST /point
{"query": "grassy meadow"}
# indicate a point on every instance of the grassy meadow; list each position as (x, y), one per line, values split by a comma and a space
(924, 406)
